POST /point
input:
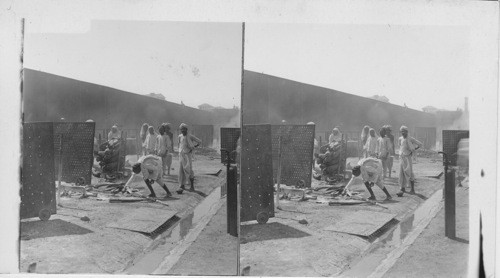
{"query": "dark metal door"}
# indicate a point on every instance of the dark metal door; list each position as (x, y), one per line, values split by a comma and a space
(38, 190)
(256, 173)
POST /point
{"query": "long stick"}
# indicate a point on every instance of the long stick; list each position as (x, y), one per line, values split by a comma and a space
(59, 175)
(278, 176)
(120, 150)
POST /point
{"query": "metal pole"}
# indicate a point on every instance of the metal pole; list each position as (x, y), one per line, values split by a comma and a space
(231, 194)
(449, 199)
(449, 204)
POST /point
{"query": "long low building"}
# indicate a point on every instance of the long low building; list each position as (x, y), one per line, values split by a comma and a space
(271, 99)
(49, 97)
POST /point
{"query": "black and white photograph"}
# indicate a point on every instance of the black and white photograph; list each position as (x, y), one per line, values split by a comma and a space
(281, 138)
(358, 138)
(121, 164)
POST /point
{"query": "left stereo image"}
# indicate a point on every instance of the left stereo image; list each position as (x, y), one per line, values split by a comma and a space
(130, 134)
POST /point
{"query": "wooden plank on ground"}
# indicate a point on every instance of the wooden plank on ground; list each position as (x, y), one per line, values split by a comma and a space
(144, 220)
(362, 223)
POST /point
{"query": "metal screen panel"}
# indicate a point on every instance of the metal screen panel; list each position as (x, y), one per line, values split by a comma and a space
(38, 187)
(77, 150)
(256, 172)
(297, 153)
(205, 133)
(229, 139)
(450, 143)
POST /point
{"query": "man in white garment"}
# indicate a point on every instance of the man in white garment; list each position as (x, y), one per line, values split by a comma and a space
(370, 171)
(151, 168)
(187, 143)
(407, 146)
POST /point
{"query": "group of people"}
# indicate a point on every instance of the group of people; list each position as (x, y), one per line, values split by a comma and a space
(381, 146)
(377, 159)
(157, 152)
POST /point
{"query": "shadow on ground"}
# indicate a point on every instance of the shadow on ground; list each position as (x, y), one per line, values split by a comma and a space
(262, 232)
(51, 228)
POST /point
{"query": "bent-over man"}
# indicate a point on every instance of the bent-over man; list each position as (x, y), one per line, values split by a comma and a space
(370, 171)
(151, 168)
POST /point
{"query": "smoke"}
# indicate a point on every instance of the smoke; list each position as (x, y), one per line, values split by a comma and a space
(232, 122)
(461, 123)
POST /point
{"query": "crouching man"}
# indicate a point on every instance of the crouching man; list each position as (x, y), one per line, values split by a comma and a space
(151, 168)
(370, 171)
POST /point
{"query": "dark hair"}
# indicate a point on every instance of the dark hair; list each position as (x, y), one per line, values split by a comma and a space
(356, 171)
(136, 168)
(161, 129)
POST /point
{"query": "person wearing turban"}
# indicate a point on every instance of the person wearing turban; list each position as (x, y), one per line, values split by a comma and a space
(407, 147)
(187, 143)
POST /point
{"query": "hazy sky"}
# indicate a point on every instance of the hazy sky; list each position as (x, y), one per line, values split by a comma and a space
(191, 62)
(416, 65)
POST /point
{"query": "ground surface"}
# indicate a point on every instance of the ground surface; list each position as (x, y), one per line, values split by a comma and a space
(284, 247)
(434, 255)
(214, 252)
(67, 244)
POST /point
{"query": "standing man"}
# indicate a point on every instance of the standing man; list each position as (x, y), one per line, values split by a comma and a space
(370, 170)
(170, 148)
(383, 150)
(151, 168)
(162, 145)
(150, 143)
(407, 145)
(187, 143)
(371, 144)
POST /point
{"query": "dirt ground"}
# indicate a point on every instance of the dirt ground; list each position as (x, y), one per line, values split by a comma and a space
(434, 255)
(68, 244)
(284, 247)
(214, 252)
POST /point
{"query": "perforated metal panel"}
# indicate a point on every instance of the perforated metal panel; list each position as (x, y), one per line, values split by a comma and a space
(297, 153)
(229, 140)
(77, 150)
(37, 178)
(256, 172)
(450, 143)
